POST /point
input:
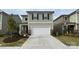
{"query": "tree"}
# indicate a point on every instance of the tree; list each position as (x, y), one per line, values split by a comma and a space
(11, 25)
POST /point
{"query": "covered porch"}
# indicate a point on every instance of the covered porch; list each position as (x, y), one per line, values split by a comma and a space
(23, 29)
(69, 27)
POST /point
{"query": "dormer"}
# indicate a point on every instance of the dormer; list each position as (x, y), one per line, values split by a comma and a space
(24, 18)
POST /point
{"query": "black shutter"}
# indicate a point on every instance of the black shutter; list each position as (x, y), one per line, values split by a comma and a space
(37, 16)
(32, 16)
(43, 16)
(48, 16)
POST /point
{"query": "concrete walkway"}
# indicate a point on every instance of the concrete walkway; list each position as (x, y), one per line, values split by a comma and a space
(43, 42)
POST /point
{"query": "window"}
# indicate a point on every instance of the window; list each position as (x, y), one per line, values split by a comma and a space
(65, 18)
(25, 19)
(35, 16)
(45, 16)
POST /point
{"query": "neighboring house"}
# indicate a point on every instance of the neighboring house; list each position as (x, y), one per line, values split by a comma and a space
(37, 22)
(67, 23)
(3, 21)
(60, 24)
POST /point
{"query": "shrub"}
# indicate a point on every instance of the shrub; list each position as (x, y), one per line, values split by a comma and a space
(2, 35)
(76, 33)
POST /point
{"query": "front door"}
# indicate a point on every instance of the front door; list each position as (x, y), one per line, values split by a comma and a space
(24, 29)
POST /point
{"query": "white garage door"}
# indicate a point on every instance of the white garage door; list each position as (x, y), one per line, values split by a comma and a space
(40, 31)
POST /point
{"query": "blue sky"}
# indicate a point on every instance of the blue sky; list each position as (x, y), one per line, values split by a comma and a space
(57, 13)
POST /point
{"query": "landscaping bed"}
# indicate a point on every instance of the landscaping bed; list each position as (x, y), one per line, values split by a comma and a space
(69, 40)
(13, 44)
(12, 41)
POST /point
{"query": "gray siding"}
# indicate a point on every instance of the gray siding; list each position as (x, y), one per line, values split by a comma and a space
(78, 17)
(58, 21)
(73, 18)
(0, 21)
(4, 23)
(5, 17)
(78, 26)
(23, 19)
(17, 19)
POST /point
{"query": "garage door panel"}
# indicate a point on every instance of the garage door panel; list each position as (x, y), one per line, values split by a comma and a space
(40, 31)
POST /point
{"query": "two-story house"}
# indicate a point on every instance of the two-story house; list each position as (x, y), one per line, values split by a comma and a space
(60, 24)
(67, 23)
(3, 21)
(37, 22)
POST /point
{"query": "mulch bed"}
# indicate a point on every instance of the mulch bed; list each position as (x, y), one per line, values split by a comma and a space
(10, 40)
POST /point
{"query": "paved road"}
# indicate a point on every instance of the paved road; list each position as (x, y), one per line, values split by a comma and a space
(43, 42)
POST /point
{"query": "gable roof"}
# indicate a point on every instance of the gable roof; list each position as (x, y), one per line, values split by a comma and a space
(67, 15)
(59, 17)
(74, 12)
(4, 12)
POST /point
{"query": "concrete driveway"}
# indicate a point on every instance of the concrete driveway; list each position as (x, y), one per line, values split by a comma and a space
(43, 42)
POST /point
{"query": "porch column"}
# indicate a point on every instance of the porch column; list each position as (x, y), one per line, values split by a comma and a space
(20, 29)
(75, 26)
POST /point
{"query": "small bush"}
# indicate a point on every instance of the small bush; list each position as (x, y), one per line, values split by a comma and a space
(76, 33)
(2, 35)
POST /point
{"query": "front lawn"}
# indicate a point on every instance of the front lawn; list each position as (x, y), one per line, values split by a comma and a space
(69, 40)
(19, 42)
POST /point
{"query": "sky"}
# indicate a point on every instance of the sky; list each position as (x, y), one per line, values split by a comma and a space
(60, 8)
(57, 12)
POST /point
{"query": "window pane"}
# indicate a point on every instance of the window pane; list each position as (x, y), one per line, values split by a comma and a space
(25, 19)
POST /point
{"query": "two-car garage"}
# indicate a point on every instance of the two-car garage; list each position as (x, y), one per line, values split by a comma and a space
(40, 28)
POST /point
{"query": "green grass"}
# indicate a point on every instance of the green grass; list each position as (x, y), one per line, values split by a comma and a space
(69, 40)
(13, 44)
